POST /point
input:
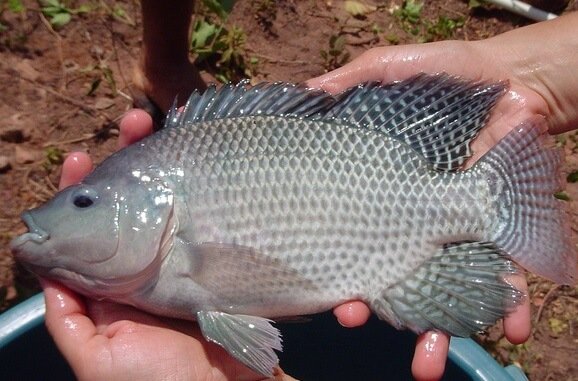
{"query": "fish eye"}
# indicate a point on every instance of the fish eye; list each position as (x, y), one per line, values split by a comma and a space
(84, 197)
(82, 201)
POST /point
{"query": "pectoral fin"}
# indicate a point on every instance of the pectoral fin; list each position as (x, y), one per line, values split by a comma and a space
(250, 339)
(231, 271)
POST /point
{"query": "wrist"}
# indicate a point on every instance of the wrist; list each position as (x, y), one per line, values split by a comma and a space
(543, 57)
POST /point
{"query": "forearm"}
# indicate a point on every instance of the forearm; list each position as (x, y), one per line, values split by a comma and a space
(544, 57)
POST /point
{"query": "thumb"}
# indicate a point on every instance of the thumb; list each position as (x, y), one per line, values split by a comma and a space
(66, 321)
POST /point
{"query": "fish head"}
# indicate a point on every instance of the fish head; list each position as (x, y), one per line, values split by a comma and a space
(103, 238)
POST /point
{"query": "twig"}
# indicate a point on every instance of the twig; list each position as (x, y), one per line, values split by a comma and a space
(453, 11)
(113, 41)
(59, 122)
(41, 189)
(26, 176)
(124, 95)
(364, 41)
(58, 49)
(546, 297)
(277, 60)
(70, 141)
(52, 187)
(88, 109)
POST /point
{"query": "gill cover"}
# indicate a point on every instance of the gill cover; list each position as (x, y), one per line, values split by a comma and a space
(104, 237)
(145, 225)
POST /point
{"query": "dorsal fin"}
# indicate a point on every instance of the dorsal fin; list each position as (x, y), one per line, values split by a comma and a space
(281, 99)
(437, 115)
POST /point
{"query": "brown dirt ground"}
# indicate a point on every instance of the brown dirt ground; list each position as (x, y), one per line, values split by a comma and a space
(46, 109)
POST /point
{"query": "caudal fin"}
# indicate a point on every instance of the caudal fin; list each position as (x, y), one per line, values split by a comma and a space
(532, 225)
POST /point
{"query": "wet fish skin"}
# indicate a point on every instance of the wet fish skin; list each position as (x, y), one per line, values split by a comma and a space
(280, 201)
(320, 226)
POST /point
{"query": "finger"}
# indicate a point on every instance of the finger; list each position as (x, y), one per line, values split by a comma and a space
(517, 325)
(352, 314)
(514, 108)
(66, 321)
(429, 359)
(110, 318)
(134, 125)
(76, 166)
(394, 63)
(362, 69)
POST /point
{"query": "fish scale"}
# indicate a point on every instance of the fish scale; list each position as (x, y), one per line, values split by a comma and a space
(280, 157)
(277, 201)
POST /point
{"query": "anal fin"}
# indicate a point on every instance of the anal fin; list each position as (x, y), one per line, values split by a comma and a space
(250, 339)
(461, 290)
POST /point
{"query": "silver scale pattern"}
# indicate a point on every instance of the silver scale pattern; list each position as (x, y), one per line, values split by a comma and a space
(350, 212)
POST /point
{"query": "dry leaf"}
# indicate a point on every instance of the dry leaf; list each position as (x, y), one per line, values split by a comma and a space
(358, 8)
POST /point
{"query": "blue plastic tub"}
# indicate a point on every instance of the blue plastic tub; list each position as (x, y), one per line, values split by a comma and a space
(319, 350)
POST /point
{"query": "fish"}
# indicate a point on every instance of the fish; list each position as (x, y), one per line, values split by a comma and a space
(258, 203)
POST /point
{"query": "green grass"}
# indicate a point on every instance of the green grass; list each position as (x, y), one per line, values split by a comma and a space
(443, 28)
(53, 156)
(217, 45)
(335, 55)
(409, 17)
(409, 12)
(59, 12)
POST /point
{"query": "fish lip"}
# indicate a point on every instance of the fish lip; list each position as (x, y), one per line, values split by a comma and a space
(35, 233)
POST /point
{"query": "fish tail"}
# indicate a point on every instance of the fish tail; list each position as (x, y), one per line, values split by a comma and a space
(463, 287)
(532, 226)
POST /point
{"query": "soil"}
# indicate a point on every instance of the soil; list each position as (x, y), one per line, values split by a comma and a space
(64, 89)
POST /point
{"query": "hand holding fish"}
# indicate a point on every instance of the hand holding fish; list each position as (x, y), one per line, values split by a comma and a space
(109, 341)
(538, 60)
(536, 88)
(404, 302)
(77, 323)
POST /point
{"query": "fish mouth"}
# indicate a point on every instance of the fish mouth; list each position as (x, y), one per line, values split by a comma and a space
(35, 233)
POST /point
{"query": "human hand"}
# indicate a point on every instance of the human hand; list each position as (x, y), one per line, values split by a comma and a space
(102, 329)
(527, 96)
(107, 341)
(475, 61)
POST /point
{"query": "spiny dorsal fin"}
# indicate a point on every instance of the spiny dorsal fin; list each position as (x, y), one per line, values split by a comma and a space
(230, 101)
(437, 115)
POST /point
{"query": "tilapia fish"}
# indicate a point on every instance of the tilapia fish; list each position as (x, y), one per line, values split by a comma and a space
(275, 201)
